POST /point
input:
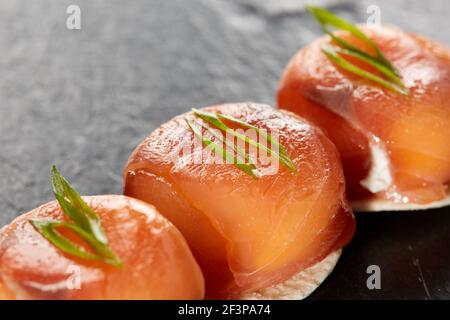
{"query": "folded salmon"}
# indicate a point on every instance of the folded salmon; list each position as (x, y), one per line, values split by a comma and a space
(248, 232)
(393, 147)
(156, 261)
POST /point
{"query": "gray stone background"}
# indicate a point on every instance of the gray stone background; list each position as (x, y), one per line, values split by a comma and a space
(83, 99)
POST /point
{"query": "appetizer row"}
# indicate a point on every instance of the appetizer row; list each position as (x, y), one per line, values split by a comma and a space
(242, 201)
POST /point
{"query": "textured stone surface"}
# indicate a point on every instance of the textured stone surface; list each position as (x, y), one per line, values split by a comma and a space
(83, 100)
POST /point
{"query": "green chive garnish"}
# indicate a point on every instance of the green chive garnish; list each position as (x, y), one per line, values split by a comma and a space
(279, 152)
(282, 153)
(332, 53)
(84, 222)
(327, 19)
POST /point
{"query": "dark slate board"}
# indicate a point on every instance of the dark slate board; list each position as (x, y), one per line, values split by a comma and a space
(83, 100)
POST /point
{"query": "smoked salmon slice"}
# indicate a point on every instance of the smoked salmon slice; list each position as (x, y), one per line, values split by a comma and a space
(157, 262)
(368, 122)
(246, 233)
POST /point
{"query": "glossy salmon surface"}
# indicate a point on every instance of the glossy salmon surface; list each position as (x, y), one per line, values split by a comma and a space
(157, 262)
(246, 233)
(413, 131)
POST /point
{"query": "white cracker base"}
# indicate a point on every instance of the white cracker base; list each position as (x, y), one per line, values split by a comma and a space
(300, 285)
(377, 205)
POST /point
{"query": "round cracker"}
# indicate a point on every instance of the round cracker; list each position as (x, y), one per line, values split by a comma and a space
(378, 205)
(300, 285)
